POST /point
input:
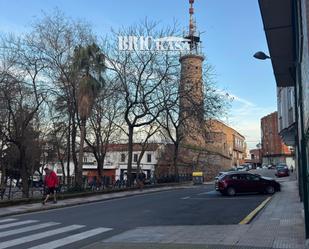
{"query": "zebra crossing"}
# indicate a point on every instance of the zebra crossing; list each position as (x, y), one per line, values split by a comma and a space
(34, 234)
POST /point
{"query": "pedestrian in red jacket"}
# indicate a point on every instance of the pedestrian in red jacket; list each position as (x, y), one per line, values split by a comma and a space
(50, 183)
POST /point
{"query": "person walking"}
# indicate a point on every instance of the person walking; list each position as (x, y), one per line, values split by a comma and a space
(140, 180)
(291, 169)
(50, 184)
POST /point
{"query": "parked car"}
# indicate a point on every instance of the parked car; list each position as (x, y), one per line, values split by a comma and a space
(282, 165)
(247, 166)
(244, 182)
(282, 171)
(220, 174)
(241, 168)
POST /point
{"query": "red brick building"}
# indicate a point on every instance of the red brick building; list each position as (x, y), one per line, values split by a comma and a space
(274, 151)
(256, 157)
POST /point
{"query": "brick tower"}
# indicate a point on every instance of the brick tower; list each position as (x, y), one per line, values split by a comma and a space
(191, 88)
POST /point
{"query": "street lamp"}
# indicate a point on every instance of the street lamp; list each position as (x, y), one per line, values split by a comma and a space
(261, 55)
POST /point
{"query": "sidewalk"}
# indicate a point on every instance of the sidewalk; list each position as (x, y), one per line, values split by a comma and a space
(279, 225)
(27, 208)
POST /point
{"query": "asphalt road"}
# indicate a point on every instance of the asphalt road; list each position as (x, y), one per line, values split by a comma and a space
(196, 205)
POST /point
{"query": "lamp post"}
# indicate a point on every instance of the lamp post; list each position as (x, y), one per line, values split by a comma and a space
(261, 56)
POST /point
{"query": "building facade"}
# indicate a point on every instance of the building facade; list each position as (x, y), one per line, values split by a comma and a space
(255, 158)
(231, 142)
(274, 151)
(115, 163)
(286, 115)
(287, 33)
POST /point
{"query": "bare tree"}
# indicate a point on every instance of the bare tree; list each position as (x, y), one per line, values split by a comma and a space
(173, 123)
(140, 75)
(23, 94)
(146, 134)
(56, 143)
(104, 124)
(56, 37)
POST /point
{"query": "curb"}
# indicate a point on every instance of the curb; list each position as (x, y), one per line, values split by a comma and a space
(45, 208)
(64, 196)
(250, 216)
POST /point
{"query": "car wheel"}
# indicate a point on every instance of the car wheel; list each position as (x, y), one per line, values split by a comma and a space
(270, 190)
(230, 191)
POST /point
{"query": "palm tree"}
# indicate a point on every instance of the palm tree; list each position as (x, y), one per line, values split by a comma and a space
(89, 66)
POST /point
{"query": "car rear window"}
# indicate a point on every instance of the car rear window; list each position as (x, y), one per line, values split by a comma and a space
(221, 176)
(233, 176)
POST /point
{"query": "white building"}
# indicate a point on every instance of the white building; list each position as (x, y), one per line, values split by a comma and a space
(115, 164)
(286, 115)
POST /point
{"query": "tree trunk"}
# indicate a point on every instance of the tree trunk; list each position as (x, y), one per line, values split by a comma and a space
(79, 173)
(130, 154)
(100, 169)
(24, 172)
(138, 164)
(73, 145)
(175, 159)
(69, 153)
(3, 181)
(100, 165)
(63, 171)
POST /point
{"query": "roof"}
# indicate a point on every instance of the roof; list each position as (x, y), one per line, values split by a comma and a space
(278, 25)
(136, 147)
(270, 115)
(222, 123)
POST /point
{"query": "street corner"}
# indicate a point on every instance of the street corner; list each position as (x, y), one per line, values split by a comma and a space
(255, 212)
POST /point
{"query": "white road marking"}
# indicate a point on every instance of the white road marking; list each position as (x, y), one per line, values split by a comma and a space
(7, 220)
(17, 223)
(27, 229)
(205, 193)
(72, 238)
(221, 198)
(38, 236)
(185, 198)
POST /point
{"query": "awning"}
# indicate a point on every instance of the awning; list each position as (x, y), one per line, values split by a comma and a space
(278, 25)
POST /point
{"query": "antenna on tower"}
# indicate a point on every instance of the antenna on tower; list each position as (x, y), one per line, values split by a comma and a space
(192, 36)
(192, 23)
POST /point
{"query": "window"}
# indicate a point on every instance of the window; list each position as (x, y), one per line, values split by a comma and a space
(123, 157)
(252, 177)
(85, 159)
(235, 177)
(59, 171)
(242, 177)
(135, 157)
(148, 158)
